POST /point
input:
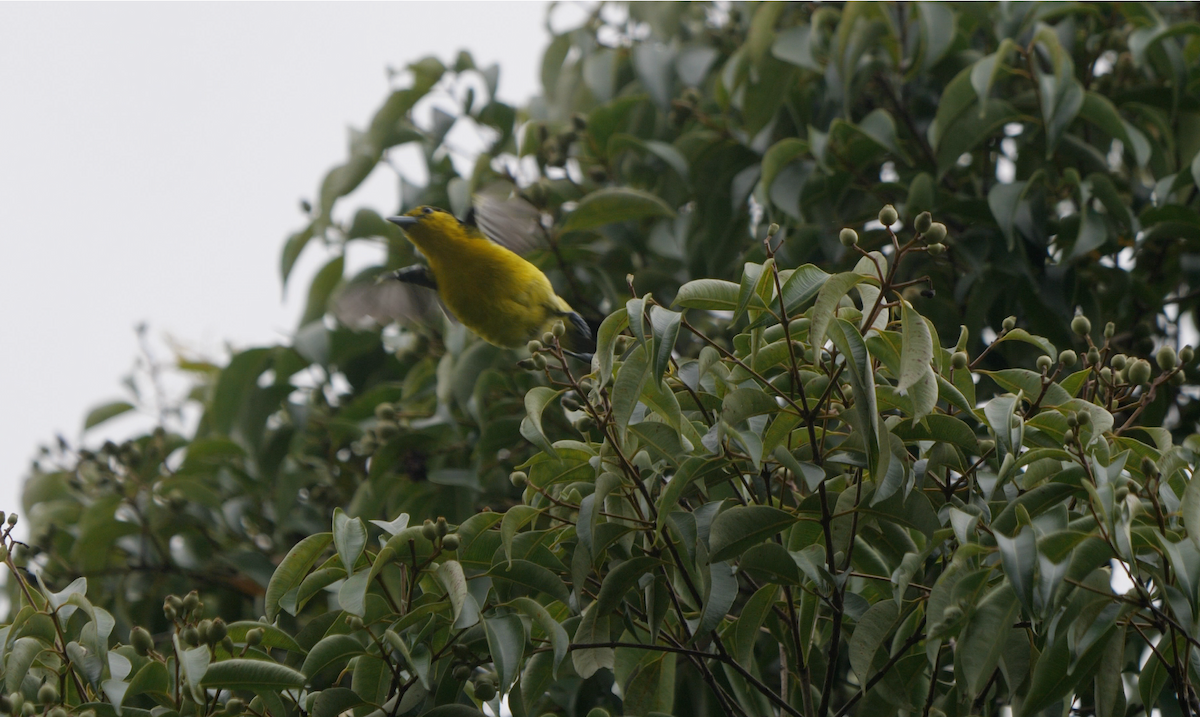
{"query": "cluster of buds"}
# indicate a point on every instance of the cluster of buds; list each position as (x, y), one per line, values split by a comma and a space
(387, 427)
(187, 614)
(538, 348)
(440, 531)
(928, 231)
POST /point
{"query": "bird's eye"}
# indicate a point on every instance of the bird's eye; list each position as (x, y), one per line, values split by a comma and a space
(427, 210)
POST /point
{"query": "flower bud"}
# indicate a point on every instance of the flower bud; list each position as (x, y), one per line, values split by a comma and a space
(385, 412)
(1109, 329)
(1178, 378)
(1072, 419)
(935, 233)
(1009, 324)
(539, 362)
(254, 636)
(450, 542)
(1093, 356)
(429, 530)
(519, 478)
(1106, 374)
(191, 636)
(1069, 436)
(485, 690)
(57, 712)
(1043, 363)
(442, 527)
(191, 601)
(217, 630)
(462, 672)
(1186, 354)
(234, 706)
(1084, 418)
(959, 360)
(47, 694)
(848, 237)
(203, 627)
(936, 249)
(923, 221)
(527, 364)
(548, 338)
(534, 346)
(1081, 325)
(1118, 362)
(1166, 358)
(888, 216)
(1068, 358)
(1139, 372)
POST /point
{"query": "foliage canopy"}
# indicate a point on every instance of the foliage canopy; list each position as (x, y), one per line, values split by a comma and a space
(809, 472)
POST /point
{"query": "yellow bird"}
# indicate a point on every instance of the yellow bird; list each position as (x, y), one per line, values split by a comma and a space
(488, 288)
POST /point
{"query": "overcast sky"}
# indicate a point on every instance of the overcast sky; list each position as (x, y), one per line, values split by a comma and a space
(152, 160)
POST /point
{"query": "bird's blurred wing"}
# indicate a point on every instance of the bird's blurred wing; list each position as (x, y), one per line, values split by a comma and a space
(364, 300)
(507, 219)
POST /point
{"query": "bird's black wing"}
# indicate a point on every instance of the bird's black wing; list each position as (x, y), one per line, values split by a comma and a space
(507, 219)
(384, 298)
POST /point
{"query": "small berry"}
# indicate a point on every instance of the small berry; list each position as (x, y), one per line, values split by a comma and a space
(1068, 358)
(519, 478)
(923, 221)
(1166, 358)
(888, 216)
(429, 530)
(234, 706)
(1109, 329)
(1119, 361)
(773, 229)
(1186, 354)
(1139, 372)
(534, 346)
(141, 641)
(485, 690)
(848, 237)
(1093, 356)
(1043, 363)
(936, 249)
(548, 338)
(935, 233)
(959, 360)
(1084, 418)
(450, 542)
(47, 694)
(1009, 324)
(462, 672)
(254, 636)
(385, 412)
(1081, 325)
(443, 528)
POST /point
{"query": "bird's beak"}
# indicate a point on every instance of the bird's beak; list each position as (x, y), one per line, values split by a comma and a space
(403, 222)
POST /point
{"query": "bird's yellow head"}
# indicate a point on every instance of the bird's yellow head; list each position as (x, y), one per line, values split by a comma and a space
(431, 228)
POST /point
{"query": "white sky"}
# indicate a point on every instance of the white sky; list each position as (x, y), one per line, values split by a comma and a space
(152, 158)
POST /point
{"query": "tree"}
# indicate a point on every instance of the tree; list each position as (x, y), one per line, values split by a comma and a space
(819, 508)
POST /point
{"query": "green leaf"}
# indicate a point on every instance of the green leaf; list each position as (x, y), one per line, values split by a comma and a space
(1019, 556)
(937, 31)
(692, 469)
(292, 249)
(20, 659)
(1100, 111)
(506, 643)
(531, 427)
(553, 629)
(916, 357)
(331, 650)
(986, 69)
(454, 581)
(1190, 508)
(349, 537)
(779, 156)
(830, 294)
(722, 591)
(334, 701)
(627, 388)
(983, 638)
(152, 678)
(514, 518)
(972, 128)
(321, 289)
(615, 204)
(664, 327)
(293, 568)
(740, 527)
(606, 337)
(533, 576)
(862, 377)
(870, 632)
(1003, 200)
(587, 661)
(746, 628)
(100, 414)
(618, 582)
(240, 674)
(711, 295)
